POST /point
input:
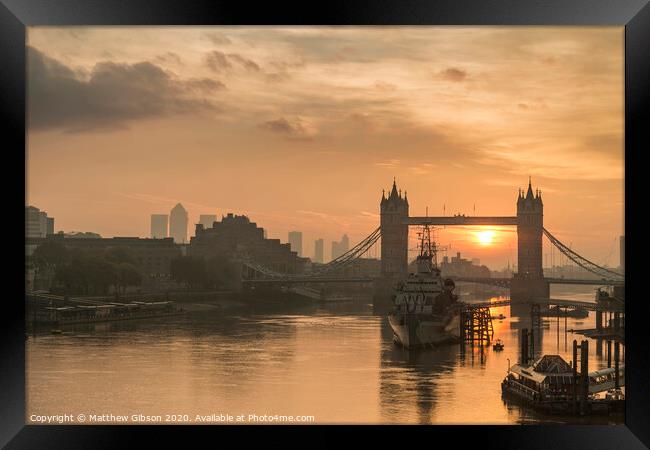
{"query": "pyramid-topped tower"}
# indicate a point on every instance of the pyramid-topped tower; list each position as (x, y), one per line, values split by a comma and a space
(530, 227)
(394, 212)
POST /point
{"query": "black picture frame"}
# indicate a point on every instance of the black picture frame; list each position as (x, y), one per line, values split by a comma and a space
(16, 15)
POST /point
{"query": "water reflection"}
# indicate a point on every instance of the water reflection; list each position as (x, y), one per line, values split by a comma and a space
(336, 362)
(410, 382)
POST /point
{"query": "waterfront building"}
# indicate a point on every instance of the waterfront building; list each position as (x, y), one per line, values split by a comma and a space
(318, 251)
(151, 257)
(236, 237)
(159, 226)
(207, 220)
(37, 223)
(461, 267)
(178, 222)
(295, 240)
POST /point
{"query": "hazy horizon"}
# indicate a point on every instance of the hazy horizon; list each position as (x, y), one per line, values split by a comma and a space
(300, 128)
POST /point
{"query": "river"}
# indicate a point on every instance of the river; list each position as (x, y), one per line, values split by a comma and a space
(336, 363)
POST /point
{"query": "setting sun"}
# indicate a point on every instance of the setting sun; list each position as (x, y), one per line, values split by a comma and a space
(485, 237)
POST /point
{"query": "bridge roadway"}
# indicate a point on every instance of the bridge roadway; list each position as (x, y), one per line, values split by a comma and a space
(505, 282)
(310, 279)
(461, 220)
(591, 306)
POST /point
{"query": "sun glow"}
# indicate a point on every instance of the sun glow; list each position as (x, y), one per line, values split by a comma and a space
(485, 237)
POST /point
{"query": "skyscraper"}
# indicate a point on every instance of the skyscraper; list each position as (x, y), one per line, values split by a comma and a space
(159, 226)
(295, 240)
(178, 221)
(207, 220)
(339, 248)
(345, 244)
(318, 251)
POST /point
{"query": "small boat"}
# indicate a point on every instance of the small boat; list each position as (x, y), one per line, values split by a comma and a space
(57, 332)
(498, 345)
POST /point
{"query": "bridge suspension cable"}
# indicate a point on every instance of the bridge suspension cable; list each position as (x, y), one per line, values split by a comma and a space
(354, 253)
(582, 262)
(341, 261)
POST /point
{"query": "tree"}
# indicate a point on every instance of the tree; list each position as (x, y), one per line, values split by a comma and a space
(220, 271)
(49, 254)
(126, 275)
(189, 270)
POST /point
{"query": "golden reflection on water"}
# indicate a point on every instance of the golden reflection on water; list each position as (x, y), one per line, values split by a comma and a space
(338, 364)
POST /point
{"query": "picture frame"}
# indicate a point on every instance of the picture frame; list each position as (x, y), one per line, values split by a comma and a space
(16, 15)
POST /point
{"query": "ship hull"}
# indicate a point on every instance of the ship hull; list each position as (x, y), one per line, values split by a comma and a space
(421, 330)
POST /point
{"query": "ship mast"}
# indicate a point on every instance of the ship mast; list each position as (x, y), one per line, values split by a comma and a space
(428, 249)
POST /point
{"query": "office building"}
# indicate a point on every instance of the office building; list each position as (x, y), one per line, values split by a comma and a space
(235, 236)
(37, 223)
(339, 248)
(295, 241)
(318, 251)
(207, 220)
(178, 221)
(159, 226)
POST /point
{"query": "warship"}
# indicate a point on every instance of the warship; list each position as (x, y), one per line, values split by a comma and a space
(425, 309)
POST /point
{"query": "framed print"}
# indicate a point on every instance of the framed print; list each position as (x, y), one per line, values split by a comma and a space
(282, 220)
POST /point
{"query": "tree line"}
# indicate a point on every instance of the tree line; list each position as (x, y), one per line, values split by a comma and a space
(214, 272)
(88, 271)
(93, 271)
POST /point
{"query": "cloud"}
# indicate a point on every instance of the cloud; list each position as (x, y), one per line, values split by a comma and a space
(220, 62)
(384, 86)
(453, 74)
(110, 95)
(217, 61)
(217, 38)
(169, 58)
(391, 163)
(292, 129)
(246, 63)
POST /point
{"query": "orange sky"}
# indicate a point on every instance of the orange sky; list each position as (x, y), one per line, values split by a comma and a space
(302, 127)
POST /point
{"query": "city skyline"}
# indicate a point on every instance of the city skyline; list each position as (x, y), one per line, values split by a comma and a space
(322, 119)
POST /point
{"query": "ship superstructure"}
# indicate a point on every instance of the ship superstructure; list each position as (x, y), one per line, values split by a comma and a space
(425, 310)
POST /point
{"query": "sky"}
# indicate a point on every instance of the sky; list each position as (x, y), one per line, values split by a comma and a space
(301, 128)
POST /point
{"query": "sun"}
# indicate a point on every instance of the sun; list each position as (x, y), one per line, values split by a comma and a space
(485, 237)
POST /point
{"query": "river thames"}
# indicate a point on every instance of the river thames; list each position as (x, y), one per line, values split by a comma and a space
(335, 363)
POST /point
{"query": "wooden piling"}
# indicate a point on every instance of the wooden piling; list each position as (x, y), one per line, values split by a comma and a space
(575, 376)
(617, 380)
(609, 353)
(532, 344)
(524, 346)
(584, 376)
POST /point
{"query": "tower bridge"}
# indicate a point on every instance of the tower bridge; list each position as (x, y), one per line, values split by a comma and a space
(528, 283)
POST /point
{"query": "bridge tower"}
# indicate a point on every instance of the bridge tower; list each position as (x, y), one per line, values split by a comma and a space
(394, 212)
(529, 281)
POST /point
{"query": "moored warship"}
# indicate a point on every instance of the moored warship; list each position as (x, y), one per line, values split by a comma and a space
(425, 309)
